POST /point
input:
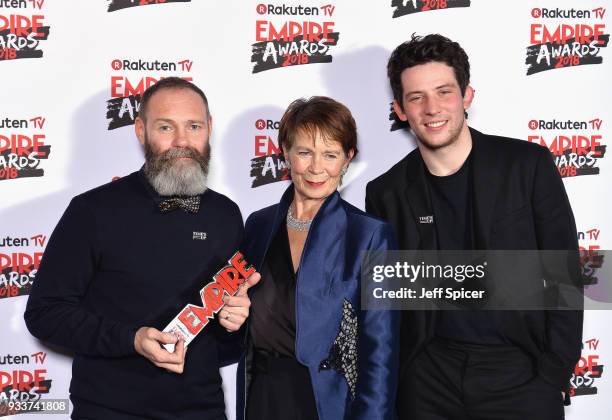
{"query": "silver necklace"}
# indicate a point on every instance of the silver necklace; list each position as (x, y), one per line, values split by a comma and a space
(297, 224)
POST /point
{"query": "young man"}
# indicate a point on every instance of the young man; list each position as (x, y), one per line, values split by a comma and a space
(484, 192)
(124, 260)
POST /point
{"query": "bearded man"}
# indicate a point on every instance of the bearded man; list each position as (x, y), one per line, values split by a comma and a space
(127, 256)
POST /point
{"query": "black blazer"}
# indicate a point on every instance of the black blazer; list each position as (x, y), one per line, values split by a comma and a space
(519, 204)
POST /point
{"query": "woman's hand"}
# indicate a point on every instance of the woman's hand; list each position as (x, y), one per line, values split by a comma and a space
(236, 309)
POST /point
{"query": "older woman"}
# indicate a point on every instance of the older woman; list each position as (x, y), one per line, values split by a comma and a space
(313, 353)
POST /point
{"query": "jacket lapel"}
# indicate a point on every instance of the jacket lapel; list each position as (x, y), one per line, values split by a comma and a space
(486, 174)
(321, 264)
(419, 201)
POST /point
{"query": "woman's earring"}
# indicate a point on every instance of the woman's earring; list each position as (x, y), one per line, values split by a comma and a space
(342, 173)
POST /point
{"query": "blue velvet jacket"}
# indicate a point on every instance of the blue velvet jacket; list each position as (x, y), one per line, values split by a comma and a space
(327, 296)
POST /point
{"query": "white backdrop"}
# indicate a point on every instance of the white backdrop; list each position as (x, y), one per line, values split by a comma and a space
(65, 75)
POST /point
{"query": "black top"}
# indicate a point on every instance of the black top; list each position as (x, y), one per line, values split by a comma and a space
(451, 202)
(115, 263)
(273, 300)
(451, 199)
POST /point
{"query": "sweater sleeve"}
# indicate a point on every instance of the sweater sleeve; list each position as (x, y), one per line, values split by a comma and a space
(55, 312)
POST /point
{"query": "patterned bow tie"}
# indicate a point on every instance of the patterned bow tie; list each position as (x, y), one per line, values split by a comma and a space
(188, 204)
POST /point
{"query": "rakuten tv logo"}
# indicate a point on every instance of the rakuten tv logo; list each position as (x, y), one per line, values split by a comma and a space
(132, 78)
(576, 145)
(588, 370)
(19, 261)
(280, 42)
(568, 44)
(268, 165)
(124, 4)
(589, 239)
(408, 7)
(21, 33)
(23, 147)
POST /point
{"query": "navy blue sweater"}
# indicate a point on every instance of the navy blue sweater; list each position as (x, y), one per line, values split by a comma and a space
(114, 263)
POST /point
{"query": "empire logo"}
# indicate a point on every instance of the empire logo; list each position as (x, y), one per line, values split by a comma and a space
(408, 7)
(268, 165)
(282, 43)
(22, 147)
(18, 267)
(122, 108)
(568, 44)
(577, 152)
(23, 383)
(588, 370)
(21, 34)
(115, 5)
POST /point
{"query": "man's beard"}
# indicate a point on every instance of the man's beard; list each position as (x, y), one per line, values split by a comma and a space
(172, 177)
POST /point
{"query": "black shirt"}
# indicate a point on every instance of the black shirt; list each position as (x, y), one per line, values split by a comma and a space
(451, 199)
(451, 202)
(273, 300)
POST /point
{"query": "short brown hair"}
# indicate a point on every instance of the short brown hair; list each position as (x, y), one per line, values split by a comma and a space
(319, 114)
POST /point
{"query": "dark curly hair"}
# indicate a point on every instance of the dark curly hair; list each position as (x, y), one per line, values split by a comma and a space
(425, 49)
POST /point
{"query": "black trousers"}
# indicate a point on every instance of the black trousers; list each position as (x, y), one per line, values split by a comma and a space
(280, 390)
(458, 381)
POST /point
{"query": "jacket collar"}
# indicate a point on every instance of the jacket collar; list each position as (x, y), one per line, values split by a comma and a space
(330, 206)
(321, 265)
(487, 176)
